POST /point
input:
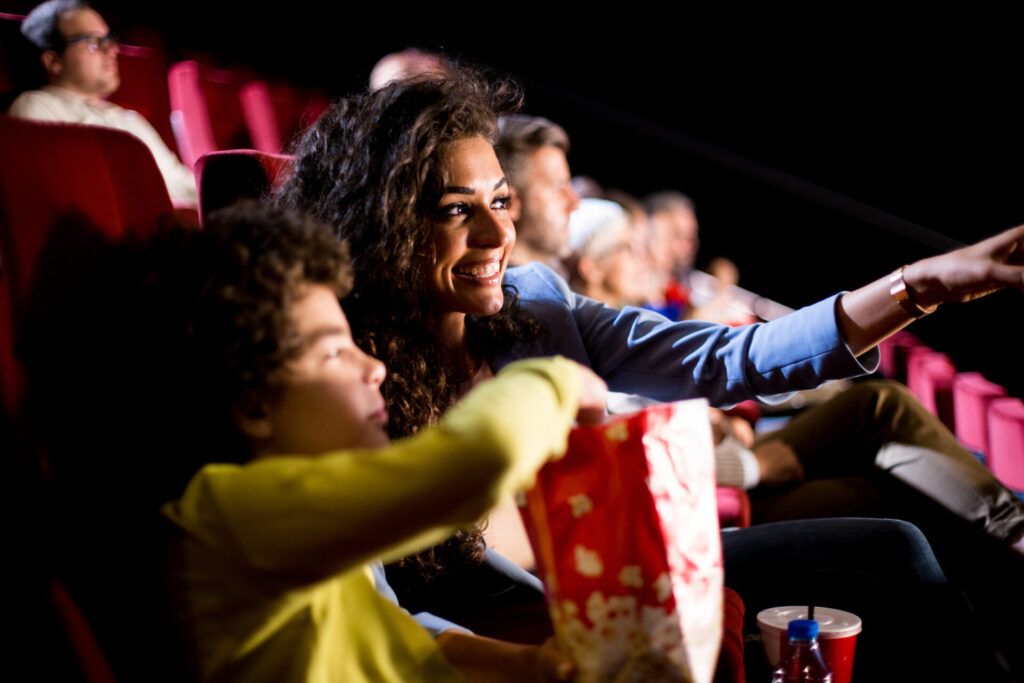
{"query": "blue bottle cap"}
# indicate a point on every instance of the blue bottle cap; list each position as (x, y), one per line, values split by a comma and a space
(804, 629)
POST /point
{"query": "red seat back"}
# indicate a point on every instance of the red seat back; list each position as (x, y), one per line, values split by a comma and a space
(143, 87)
(52, 173)
(205, 110)
(225, 177)
(1006, 441)
(930, 379)
(972, 395)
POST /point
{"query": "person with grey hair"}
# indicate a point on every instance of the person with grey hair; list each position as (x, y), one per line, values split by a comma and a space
(532, 152)
(410, 62)
(78, 54)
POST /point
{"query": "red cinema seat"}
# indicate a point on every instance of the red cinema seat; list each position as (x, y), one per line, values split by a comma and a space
(225, 177)
(205, 111)
(143, 87)
(275, 113)
(972, 394)
(733, 507)
(930, 379)
(1006, 441)
(260, 118)
(54, 176)
(893, 350)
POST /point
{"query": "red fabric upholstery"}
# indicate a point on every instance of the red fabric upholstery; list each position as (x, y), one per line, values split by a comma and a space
(260, 117)
(52, 174)
(143, 89)
(190, 117)
(275, 113)
(894, 355)
(733, 507)
(972, 394)
(225, 177)
(1006, 441)
(930, 378)
(206, 113)
(87, 651)
(731, 668)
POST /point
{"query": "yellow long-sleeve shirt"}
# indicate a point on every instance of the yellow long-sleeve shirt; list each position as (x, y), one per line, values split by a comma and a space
(271, 575)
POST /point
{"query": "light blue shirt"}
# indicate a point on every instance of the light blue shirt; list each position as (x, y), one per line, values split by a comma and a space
(638, 351)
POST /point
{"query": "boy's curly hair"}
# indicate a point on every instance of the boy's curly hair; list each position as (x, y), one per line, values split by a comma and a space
(183, 325)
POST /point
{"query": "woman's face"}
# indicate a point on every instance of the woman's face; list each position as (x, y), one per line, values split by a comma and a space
(473, 233)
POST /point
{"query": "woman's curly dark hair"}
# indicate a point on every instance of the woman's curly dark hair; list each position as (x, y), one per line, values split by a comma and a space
(371, 167)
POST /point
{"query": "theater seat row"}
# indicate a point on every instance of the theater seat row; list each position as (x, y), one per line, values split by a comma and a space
(981, 413)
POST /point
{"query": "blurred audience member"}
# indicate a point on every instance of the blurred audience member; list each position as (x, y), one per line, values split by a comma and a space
(532, 152)
(674, 244)
(78, 53)
(405, 64)
(605, 264)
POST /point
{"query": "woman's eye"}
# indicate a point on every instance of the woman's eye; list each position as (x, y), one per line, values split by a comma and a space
(333, 352)
(501, 203)
(454, 209)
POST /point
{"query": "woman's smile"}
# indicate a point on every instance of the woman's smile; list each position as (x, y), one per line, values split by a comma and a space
(473, 233)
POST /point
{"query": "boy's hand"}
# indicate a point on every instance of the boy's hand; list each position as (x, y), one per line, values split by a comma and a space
(551, 663)
(593, 396)
(486, 660)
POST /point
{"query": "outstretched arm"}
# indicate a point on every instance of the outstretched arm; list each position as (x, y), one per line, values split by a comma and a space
(871, 313)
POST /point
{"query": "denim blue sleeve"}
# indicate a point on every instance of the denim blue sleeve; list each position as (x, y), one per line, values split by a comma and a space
(436, 625)
(638, 351)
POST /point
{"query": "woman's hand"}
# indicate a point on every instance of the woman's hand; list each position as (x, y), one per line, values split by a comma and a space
(593, 396)
(971, 272)
(870, 314)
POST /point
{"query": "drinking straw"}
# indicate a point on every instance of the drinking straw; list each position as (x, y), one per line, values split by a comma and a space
(810, 611)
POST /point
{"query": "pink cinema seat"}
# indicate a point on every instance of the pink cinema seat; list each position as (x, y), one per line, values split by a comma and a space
(733, 507)
(894, 350)
(276, 112)
(205, 111)
(260, 117)
(972, 394)
(930, 379)
(1006, 441)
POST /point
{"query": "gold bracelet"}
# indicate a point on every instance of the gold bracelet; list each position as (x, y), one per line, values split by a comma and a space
(901, 293)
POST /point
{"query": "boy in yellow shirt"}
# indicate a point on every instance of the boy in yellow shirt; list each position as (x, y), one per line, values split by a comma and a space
(296, 492)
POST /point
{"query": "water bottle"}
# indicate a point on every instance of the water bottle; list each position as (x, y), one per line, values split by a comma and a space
(802, 662)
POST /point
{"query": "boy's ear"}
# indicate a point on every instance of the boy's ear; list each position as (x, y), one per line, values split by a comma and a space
(515, 204)
(250, 416)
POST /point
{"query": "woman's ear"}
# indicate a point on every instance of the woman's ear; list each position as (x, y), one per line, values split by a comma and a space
(515, 204)
(251, 417)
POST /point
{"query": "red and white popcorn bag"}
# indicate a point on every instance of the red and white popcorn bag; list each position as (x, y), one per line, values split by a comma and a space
(625, 532)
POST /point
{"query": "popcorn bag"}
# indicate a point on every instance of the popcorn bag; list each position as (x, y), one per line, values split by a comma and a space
(625, 532)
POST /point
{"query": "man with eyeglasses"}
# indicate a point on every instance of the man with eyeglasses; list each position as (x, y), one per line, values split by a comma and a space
(79, 57)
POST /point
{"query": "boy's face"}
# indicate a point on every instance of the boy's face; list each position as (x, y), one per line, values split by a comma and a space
(331, 398)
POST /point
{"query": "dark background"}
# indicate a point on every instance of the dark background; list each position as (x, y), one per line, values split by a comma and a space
(823, 148)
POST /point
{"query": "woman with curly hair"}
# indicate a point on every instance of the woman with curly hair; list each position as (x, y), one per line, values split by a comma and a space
(408, 177)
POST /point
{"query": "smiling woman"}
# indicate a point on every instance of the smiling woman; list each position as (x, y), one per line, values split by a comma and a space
(409, 178)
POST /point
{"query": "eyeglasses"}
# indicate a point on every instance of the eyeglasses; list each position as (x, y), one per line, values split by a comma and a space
(94, 43)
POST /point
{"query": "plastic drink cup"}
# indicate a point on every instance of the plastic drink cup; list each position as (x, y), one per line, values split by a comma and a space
(837, 636)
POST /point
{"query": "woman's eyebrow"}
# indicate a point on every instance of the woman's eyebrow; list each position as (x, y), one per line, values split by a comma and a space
(459, 189)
